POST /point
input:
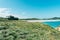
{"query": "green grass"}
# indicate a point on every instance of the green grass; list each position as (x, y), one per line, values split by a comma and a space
(22, 30)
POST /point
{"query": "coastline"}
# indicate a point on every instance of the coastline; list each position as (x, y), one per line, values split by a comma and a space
(41, 20)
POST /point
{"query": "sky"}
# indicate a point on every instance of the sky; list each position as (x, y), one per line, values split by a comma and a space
(30, 8)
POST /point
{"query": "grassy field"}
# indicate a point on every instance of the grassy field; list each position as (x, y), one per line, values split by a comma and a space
(22, 30)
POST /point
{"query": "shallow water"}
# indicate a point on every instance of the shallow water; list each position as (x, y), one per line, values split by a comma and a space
(53, 24)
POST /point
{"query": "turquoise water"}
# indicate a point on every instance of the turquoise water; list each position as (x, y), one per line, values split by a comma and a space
(53, 24)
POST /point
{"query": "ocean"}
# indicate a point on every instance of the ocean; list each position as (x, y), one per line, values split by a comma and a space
(53, 24)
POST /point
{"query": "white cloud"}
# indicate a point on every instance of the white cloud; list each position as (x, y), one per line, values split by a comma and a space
(2, 9)
(7, 11)
(4, 12)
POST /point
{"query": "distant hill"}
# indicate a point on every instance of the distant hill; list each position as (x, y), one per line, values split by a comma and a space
(16, 18)
(30, 19)
(54, 18)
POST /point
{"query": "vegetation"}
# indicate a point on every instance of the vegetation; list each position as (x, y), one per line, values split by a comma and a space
(30, 19)
(22, 30)
(15, 18)
(12, 18)
(2, 19)
(54, 18)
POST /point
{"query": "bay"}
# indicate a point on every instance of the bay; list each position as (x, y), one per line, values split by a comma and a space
(53, 24)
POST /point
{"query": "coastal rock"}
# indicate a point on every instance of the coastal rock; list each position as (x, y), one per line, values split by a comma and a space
(58, 28)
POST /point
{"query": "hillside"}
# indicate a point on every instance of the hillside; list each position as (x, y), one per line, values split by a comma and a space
(22, 30)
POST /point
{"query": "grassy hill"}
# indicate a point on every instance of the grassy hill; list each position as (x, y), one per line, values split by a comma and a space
(22, 30)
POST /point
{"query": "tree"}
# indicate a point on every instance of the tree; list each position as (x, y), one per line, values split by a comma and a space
(12, 18)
